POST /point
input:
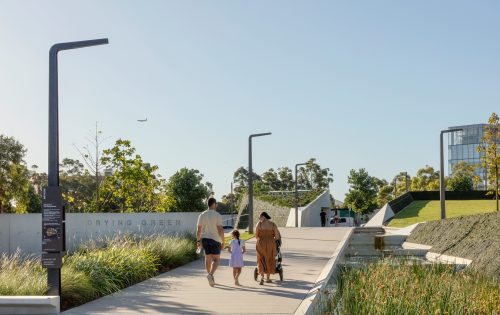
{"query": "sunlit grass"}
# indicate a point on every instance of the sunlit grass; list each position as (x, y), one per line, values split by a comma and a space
(243, 236)
(97, 270)
(429, 210)
(392, 287)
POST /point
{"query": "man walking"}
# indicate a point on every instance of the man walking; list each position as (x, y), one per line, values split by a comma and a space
(323, 217)
(210, 236)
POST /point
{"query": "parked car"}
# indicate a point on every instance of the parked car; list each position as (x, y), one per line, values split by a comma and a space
(343, 221)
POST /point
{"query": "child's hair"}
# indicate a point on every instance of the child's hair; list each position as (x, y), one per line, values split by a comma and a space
(236, 234)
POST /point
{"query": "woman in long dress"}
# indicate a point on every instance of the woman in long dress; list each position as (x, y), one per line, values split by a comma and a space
(266, 233)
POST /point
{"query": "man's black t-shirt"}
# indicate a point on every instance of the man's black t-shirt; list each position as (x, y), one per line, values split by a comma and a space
(323, 216)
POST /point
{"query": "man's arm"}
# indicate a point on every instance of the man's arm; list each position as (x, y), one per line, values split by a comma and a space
(198, 236)
(221, 234)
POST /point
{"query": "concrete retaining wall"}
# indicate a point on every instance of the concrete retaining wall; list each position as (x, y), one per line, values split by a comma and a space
(24, 231)
(309, 215)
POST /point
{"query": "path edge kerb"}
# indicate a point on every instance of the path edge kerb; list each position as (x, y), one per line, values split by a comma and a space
(307, 304)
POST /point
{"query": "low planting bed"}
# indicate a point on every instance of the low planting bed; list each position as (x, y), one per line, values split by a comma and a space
(404, 287)
(94, 271)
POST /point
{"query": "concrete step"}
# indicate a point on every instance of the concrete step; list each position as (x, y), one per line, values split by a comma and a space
(382, 241)
(374, 240)
(363, 252)
(371, 246)
(369, 230)
(394, 251)
(362, 239)
(406, 252)
(29, 305)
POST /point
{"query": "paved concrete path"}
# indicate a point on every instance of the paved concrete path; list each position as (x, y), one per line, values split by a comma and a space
(185, 290)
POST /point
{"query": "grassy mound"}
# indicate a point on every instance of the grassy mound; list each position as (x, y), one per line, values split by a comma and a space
(429, 210)
(392, 287)
(94, 271)
(474, 237)
(288, 200)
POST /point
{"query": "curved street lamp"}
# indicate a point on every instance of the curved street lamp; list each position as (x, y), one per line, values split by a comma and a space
(297, 195)
(250, 180)
(442, 198)
(53, 238)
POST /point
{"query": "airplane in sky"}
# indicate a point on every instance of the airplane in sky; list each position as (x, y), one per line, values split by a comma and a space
(142, 120)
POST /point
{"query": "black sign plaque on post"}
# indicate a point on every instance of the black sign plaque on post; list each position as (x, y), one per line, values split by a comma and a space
(51, 260)
(52, 220)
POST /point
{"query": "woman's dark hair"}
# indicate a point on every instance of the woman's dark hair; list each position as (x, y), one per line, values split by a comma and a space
(236, 234)
(265, 215)
(211, 201)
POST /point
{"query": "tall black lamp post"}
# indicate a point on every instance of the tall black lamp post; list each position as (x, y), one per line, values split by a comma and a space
(441, 172)
(250, 180)
(53, 230)
(297, 195)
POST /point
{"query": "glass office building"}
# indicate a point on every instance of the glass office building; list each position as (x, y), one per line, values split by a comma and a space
(462, 146)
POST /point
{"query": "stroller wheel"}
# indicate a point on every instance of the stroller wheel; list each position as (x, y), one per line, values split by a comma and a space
(281, 274)
(255, 274)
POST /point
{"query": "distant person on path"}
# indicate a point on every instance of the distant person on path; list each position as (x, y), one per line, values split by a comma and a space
(266, 233)
(237, 249)
(323, 217)
(210, 236)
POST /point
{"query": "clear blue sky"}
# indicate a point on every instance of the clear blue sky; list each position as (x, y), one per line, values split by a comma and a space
(354, 84)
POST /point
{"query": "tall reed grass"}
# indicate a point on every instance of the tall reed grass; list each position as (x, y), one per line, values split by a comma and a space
(98, 268)
(404, 287)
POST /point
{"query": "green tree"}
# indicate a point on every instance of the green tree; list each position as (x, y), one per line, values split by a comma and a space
(490, 149)
(133, 186)
(403, 183)
(385, 191)
(312, 176)
(36, 182)
(362, 195)
(240, 177)
(427, 179)
(286, 178)
(271, 179)
(185, 191)
(462, 177)
(77, 186)
(14, 176)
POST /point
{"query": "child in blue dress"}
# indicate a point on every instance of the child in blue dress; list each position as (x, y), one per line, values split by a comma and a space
(237, 249)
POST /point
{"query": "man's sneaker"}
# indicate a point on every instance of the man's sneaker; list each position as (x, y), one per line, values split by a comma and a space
(211, 280)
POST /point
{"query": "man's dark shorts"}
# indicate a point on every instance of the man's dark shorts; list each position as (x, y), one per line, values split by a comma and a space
(210, 246)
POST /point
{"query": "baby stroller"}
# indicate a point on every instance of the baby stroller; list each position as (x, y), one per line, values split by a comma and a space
(279, 259)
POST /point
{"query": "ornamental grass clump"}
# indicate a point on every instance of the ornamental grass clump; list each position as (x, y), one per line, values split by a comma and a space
(407, 287)
(118, 265)
(170, 251)
(98, 268)
(21, 276)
